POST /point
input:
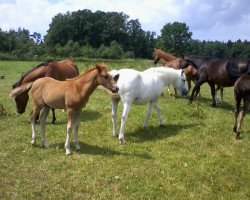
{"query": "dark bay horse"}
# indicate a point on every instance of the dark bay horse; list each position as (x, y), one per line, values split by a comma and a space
(215, 71)
(171, 61)
(71, 94)
(241, 92)
(58, 70)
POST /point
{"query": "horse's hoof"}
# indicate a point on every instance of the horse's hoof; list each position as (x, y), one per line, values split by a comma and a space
(122, 141)
(116, 135)
(214, 105)
(33, 142)
(190, 102)
(162, 125)
(234, 129)
(78, 147)
(68, 152)
(45, 145)
(237, 137)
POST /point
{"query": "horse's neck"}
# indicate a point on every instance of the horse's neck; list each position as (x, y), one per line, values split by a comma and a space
(168, 57)
(87, 82)
(168, 76)
(33, 75)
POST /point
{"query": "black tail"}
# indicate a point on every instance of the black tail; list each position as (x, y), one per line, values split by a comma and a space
(235, 72)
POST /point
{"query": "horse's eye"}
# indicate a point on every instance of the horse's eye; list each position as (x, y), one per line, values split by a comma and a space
(106, 76)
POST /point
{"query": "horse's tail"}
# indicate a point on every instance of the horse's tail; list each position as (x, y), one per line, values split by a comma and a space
(109, 93)
(234, 71)
(20, 89)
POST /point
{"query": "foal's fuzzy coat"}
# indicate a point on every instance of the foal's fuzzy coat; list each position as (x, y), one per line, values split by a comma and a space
(72, 94)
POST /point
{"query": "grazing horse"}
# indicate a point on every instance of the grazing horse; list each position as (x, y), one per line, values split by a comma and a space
(171, 61)
(241, 92)
(71, 94)
(58, 70)
(222, 72)
(141, 88)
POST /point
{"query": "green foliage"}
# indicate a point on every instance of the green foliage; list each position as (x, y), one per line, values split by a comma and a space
(190, 158)
(87, 34)
(175, 38)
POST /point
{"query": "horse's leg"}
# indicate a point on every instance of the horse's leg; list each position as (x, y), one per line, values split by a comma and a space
(126, 109)
(149, 112)
(219, 101)
(242, 115)
(70, 113)
(53, 116)
(236, 112)
(77, 122)
(37, 117)
(189, 85)
(114, 116)
(196, 90)
(43, 118)
(160, 117)
(169, 92)
(33, 116)
(216, 95)
(175, 93)
(212, 87)
(221, 95)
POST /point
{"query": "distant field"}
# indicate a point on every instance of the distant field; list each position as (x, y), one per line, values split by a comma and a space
(193, 157)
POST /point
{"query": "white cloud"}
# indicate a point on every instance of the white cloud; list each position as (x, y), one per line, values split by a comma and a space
(208, 20)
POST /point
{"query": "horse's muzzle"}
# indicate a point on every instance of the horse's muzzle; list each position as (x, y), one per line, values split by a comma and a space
(184, 92)
(20, 111)
(114, 89)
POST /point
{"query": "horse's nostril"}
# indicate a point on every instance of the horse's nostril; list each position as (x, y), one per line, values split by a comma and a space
(115, 89)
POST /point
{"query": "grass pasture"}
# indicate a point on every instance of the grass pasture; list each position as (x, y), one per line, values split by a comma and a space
(193, 157)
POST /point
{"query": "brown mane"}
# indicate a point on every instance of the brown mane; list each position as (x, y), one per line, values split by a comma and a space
(161, 54)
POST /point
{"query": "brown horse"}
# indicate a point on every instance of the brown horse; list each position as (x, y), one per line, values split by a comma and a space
(171, 61)
(215, 71)
(57, 70)
(72, 94)
(241, 91)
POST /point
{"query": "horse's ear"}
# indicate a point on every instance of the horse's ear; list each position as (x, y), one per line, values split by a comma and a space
(98, 68)
(116, 77)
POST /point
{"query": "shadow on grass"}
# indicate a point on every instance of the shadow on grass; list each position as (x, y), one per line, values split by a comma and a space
(103, 151)
(86, 115)
(223, 106)
(155, 133)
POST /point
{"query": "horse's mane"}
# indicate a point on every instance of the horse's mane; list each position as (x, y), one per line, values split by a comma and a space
(88, 70)
(166, 56)
(44, 64)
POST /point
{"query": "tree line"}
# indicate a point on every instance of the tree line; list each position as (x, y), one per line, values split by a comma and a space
(109, 35)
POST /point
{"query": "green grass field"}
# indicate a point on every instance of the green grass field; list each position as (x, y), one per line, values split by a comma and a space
(193, 157)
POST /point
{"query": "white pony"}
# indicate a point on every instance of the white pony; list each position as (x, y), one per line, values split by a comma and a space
(139, 88)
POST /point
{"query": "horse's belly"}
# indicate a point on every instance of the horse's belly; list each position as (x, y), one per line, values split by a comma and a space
(54, 103)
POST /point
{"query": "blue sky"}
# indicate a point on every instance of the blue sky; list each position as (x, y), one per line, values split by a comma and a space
(207, 19)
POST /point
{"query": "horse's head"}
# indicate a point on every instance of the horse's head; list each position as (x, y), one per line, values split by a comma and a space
(156, 56)
(184, 63)
(180, 85)
(21, 101)
(105, 79)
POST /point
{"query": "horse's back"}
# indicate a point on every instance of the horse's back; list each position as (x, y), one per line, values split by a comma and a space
(64, 69)
(242, 87)
(217, 72)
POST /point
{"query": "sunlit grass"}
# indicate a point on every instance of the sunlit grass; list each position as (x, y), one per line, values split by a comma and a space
(193, 157)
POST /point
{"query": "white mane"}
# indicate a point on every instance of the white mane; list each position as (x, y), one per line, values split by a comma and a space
(168, 75)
